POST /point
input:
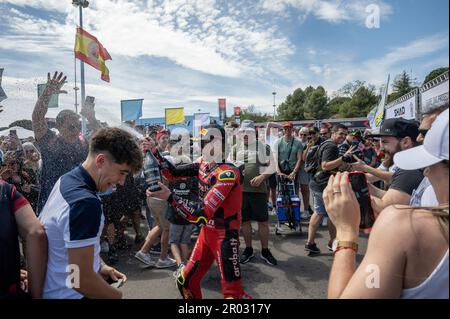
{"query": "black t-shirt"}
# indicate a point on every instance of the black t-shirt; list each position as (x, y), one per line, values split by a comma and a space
(328, 152)
(10, 202)
(58, 158)
(186, 188)
(406, 181)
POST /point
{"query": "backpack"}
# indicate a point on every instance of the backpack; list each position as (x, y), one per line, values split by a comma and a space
(312, 160)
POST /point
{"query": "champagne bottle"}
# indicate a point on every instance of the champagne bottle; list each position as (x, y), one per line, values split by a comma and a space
(151, 172)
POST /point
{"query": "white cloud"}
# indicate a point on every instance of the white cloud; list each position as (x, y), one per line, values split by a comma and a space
(193, 34)
(333, 11)
(49, 5)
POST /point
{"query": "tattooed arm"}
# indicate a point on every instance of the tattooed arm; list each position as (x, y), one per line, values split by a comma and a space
(53, 86)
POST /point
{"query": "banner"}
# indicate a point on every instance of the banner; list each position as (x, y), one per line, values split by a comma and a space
(131, 110)
(222, 109)
(174, 115)
(89, 50)
(404, 106)
(53, 103)
(379, 115)
(2, 93)
(434, 93)
(237, 114)
(371, 117)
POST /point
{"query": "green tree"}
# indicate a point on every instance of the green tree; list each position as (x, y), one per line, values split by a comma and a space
(335, 104)
(362, 102)
(316, 105)
(351, 88)
(293, 107)
(250, 113)
(402, 85)
(433, 74)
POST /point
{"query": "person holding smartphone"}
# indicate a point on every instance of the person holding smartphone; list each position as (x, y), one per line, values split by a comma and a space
(328, 160)
(408, 248)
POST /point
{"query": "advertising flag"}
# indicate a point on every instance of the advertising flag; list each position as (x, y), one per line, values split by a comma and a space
(174, 115)
(379, 116)
(222, 109)
(131, 110)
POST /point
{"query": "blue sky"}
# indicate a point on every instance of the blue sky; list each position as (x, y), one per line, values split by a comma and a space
(192, 52)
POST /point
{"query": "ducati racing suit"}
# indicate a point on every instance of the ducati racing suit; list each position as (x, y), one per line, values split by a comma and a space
(219, 209)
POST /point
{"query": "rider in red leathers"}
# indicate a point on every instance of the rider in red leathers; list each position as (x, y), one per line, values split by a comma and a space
(220, 192)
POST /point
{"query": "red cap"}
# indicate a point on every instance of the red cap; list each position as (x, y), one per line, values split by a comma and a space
(288, 124)
(160, 134)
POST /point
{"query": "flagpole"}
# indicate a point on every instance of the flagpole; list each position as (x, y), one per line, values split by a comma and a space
(75, 87)
(81, 4)
(83, 89)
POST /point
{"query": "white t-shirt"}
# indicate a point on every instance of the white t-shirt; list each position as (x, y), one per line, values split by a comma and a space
(72, 218)
(429, 198)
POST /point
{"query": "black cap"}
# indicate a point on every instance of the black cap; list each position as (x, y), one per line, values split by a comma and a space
(399, 127)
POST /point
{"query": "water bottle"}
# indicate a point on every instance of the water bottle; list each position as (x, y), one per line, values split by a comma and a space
(151, 172)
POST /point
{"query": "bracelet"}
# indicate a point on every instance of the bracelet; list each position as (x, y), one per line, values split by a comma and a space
(345, 247)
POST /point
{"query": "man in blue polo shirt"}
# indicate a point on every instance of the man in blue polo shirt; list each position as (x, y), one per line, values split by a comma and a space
(73, 218)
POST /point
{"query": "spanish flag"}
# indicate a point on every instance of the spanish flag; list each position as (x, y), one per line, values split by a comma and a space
(89, 50)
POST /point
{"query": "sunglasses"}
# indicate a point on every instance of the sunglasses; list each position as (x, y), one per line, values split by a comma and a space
(303, 134)
(423, 132)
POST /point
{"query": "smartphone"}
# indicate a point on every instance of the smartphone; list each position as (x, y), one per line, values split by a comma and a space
(359, 185)
(116, 284)
(90, 100)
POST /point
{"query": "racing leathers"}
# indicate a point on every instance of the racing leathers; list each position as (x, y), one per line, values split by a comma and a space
(219, 209)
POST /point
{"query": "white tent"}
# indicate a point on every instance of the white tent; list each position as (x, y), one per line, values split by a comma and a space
(22, 133)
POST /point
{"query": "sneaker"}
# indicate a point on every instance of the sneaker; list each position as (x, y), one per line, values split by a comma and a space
(273, 211)
(330, 245)
(312, 248)
(177, 272)
(166, 263)
(246, 255)
(145, 258)
(305, 215)
(267, 256)
(104, 247)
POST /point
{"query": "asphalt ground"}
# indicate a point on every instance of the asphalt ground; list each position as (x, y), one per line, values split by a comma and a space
(298, 274)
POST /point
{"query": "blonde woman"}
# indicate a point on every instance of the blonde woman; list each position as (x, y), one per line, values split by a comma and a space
(407, 253)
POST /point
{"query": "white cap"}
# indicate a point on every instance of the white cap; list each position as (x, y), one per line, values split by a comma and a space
(433, 150)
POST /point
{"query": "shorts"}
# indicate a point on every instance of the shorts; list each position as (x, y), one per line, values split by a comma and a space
(180, 234)
(273, 181)
(319, 205)
(254, 207)
(303, 177)
(158, 209)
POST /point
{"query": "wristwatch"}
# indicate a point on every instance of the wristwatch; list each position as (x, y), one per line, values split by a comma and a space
(339, 245)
